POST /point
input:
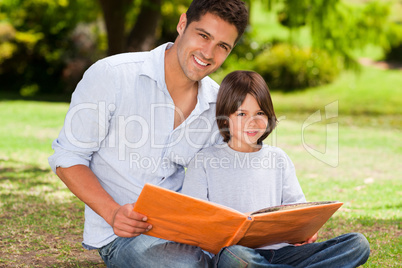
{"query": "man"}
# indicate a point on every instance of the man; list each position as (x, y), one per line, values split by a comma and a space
(140, 117)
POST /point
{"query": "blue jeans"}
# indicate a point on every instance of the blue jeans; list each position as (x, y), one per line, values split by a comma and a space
(349, 250)
(146, 251)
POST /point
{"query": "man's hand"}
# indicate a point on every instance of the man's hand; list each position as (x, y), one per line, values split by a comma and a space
(128, 223)
(310, 240)
(125, 221)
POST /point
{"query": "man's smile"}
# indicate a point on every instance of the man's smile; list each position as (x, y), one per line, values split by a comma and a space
(200, 62)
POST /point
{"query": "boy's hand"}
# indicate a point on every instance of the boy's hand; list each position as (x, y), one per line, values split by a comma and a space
(128, 223)
(310, 240)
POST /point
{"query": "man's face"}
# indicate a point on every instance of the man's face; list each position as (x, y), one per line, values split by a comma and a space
(204, 45)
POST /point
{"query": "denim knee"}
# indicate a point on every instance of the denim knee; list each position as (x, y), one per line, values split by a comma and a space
(361, 245)
(145, 251)
(239, 256)
(233, 256)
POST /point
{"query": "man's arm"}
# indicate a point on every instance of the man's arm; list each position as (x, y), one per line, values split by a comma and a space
(83, 183)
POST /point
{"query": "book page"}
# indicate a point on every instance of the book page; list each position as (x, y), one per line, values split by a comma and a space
(291, 206)
(291, 226)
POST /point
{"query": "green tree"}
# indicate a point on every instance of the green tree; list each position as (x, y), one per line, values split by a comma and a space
(38, 50)
(336, 26)
(36, 41)
(140, 25)
(114, 14)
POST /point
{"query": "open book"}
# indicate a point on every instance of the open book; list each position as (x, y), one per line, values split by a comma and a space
(184, 219)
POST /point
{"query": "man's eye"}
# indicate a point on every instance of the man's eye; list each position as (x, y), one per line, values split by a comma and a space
(204, 36)
(224, 47)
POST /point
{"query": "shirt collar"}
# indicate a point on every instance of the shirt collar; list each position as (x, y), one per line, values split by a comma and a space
(207, 93)
(154, 65)
(154, 68)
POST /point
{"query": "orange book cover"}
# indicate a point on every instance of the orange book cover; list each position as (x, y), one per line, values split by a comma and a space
(185, 219)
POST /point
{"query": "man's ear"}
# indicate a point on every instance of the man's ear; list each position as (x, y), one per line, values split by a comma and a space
(181, 26)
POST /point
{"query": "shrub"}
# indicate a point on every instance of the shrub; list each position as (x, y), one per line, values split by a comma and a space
(37, 41)
(288, 67)
(394, 53)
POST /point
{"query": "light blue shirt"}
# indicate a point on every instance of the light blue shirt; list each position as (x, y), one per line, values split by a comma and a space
(120, 124)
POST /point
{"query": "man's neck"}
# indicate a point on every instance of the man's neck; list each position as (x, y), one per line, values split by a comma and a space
(176, 81)
(182, 90)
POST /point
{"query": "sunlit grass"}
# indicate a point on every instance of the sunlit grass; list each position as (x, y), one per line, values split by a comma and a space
(42, 221)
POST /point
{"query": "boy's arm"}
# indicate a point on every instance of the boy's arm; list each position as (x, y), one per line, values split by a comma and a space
(195, 181)
(291, 189)
(83, 183)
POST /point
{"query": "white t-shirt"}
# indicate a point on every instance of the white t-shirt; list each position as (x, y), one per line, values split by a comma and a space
(244, 181)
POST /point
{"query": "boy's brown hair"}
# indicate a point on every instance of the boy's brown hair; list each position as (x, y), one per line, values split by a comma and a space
(231, 11)
(233, 90)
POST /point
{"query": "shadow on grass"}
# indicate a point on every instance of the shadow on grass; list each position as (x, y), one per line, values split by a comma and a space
(41, 220)
(62, 97)
(42, 224)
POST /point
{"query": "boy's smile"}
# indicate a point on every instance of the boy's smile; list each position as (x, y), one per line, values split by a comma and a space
(251, 133)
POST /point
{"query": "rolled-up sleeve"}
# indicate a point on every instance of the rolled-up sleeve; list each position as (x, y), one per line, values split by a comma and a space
(87, 121)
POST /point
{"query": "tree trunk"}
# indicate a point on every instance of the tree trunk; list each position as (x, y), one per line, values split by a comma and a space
(114, 13)
(143, 35)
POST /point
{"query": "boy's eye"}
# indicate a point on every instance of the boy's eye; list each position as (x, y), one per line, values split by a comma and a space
(241, 114)
(260, 113)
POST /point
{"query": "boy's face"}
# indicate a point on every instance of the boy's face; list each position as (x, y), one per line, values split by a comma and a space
(204, 45)
(247, 125)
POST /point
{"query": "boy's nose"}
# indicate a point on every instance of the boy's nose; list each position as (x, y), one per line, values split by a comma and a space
(253, 122)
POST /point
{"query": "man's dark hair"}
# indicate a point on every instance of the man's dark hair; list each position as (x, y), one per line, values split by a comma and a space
(231, 11)
(232, 92)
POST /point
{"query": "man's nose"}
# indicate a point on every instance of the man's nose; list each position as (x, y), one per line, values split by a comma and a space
(208, 51)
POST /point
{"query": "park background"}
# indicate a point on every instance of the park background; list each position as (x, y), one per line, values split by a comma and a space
(334, 69)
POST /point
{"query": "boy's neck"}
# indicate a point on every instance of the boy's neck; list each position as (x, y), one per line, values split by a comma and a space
(246, 148)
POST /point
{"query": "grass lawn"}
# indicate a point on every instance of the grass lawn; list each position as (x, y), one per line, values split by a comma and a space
(366, 140)
(42, 221)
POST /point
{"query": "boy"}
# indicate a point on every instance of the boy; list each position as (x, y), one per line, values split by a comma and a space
(247, 175)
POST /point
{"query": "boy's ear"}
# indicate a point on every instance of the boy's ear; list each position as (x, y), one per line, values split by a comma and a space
(181, 26)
